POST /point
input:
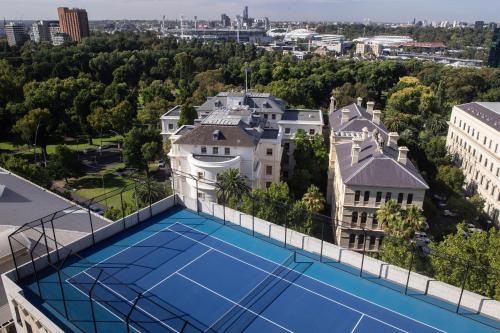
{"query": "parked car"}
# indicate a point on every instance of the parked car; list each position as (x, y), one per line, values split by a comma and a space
(449, 213)
(439, 197)
(161, 164)
(421, 238)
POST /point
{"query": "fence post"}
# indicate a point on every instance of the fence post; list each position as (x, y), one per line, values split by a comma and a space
(363, 257)
(322, 238)
(55, 240)
(197, 196)
(253, 216)
(413, 248)
(45, 240)
(466, 275)
(91, 226)
(224, 205)
(149, 191)
(334, 227)
(13, 258)
(137, 203)
(286, 224)
(123, 210)
(173, 186)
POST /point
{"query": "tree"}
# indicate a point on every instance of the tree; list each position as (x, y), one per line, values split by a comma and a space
(450, 178)
(149, 191)
(140, 147)
(415, 220)
(231, 186)
(99, 119)
(268, 204)
(400, 223)
(188, 115)
(121, 117)
(313, 199)
(476, 253)
(150, 114)
(64, 163)
(35, 173)
(396, 251)
(33, 128)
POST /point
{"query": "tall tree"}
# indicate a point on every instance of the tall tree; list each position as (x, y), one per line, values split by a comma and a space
(313, 199)
(140, 147)
(64, 163)
(188, 115)
(231, 186)
(33, 128)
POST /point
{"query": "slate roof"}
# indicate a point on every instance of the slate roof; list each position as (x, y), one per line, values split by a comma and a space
(262, 102)
(302, 115)
(358, 118)
(486, 112)
(270, 134)
(376, 167)
(228, 136)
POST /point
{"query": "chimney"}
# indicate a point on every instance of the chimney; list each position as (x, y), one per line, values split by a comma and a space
(345, 116)
(333, 104)
(393, 140)
(355, 151)
(369, 107)
(360, 101)
(376, 117)
(364, 134)
(402, 155)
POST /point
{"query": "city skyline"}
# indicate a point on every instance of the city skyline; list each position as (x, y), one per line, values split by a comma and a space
(309, 10)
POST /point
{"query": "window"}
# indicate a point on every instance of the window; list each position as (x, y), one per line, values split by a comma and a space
(378, 198)
(375, 221)
(388, 196)
(203, 150)
(357, 194)
(18, 315)
(269, 170)
(227, 151)
(364, 217)
(170, 126)
(485, 162)
(201, 195)
(380, 240)
(311, 131)
(484, 140)
(372, 242)
(287, 130)
(265, 116)
(286, 146)
(354, 217)
(269, 151)
(273, 116)
(215, 150)
(352, 239)
(409, 199)
(361, 240)
(400, 198)
(366, 196)
(268, 184)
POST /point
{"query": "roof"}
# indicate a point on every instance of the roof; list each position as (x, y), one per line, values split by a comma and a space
(228, 136)
(270, 134)
(261, 102)
(302, 115)
(377, 167)
(358, 119)
(212, 158)
(486, 112)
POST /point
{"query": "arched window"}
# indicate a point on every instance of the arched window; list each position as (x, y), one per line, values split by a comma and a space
(354, 217)
(364, 216)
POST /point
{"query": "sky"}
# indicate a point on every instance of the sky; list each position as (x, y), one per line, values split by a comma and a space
(308, 10)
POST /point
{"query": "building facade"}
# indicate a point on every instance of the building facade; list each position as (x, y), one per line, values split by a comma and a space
(251, 132)
(473, 139)
(16, 34)
(366, 169)
(43, 31)
(73, 22)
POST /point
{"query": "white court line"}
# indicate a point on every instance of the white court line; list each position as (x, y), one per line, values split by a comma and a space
(354, 328)
(123, 250)
(293, 283)
(105, 308)
(231, 301)
(312, 278)
(131, 302)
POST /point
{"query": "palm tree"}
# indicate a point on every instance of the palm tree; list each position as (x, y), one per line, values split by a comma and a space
(313, 199)
(148, 187)
(389, 216)
(231, 186)
(414, 219)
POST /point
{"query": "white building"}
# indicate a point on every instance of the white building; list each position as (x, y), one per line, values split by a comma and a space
(42, 31)
(474, 139)
(16, 34)
(251, 132)
(366, 169)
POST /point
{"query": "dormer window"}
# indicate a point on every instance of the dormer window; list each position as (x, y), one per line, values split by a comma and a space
(216, 135)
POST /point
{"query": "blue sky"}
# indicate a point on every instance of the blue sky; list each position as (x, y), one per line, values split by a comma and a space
(331, 10)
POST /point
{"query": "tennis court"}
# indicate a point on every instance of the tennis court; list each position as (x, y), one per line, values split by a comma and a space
(187, 273)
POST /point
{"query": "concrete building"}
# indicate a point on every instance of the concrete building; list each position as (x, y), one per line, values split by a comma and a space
(73, 22)
(43, 31)
(60, 38)
(16, 34)
(473, 139)
(366, 169)
(252, 132)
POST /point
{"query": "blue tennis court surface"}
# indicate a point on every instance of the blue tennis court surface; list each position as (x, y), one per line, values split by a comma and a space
(186, 273)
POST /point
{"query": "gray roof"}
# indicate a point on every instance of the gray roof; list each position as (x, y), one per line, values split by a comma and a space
(270, 134)
(23, 202)
(487, 112)
(173, 112)
(377, 167)
(358, 118)
(228, 136)
(301, 115)
(212, 158)
(261, 102)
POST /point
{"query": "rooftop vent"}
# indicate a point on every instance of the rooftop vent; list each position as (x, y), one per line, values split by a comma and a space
(216, 135)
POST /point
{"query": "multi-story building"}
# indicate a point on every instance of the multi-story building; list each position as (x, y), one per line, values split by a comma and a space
(73, 22)
(474, 139)
(252, 132)
(366, 169)
(16, 34)
(494, 55)
(42, 31)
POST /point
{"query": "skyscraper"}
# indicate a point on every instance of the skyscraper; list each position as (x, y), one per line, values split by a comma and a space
(245, 14)
(494, 57)
(225, 20)
(41, 31)
(73, 22)
(16, 34)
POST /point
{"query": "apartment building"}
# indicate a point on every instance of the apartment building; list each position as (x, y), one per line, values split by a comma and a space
(73, 22)
(367, 169)
(473, 139)
(252, 132)
(16, 34)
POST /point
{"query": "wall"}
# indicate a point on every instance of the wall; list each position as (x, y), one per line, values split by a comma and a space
(383, 270)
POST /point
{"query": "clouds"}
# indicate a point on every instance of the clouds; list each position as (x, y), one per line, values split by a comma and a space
(334, 10)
